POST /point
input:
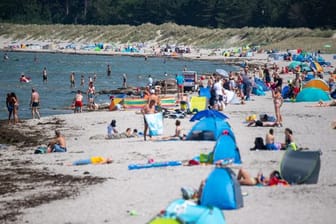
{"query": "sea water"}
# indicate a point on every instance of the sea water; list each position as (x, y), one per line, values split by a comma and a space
(57, 95)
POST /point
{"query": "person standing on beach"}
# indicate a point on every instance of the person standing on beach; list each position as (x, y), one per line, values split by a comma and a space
(148, 109)
(90, 93)
(247, 83)
(94, 77)
(34, 103)
(72, 79)
(10, 106)
(278, 101)
(109, 70)
(180, 86)
(44, 75)
(220, 94)
(14, 101)
(267, 76)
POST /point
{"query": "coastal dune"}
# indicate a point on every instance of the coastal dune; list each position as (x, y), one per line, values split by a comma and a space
(135, 196)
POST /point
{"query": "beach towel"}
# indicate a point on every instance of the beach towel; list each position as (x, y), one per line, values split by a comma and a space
(168, 102)
(198, 102)
(155, 123)
(134, 103)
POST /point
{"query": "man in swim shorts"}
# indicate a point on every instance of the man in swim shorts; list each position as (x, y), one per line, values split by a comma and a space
(34, 103)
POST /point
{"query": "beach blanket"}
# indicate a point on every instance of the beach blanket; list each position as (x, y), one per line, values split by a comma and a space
(198, 102)
(168, 102)
(155, 123)
(134, 103)
(139, 103)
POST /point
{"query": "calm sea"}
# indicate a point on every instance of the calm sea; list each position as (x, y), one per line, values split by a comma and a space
(57, 95)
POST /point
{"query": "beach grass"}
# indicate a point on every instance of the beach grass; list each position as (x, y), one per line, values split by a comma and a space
(169, 33)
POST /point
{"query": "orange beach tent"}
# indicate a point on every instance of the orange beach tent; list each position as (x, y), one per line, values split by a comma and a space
(317, 83)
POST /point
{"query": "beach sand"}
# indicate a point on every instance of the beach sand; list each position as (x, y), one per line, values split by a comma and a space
(111, 193)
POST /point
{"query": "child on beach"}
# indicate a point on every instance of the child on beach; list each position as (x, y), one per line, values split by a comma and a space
(178, 133)
(112, 131)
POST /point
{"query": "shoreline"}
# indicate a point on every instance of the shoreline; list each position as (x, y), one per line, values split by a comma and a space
(106, 193)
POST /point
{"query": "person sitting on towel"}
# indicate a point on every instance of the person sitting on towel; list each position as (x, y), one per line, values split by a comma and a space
(289, 140)
(178, 135)
(270, 143)
(57, 144)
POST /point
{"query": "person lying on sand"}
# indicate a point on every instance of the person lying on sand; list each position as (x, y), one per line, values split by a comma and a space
(92, 160)
(259, 123)
(321, 104)
(274, 178)
(57, 144)
(244, 178)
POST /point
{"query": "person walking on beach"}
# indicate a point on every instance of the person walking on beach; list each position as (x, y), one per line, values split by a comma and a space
(57, 144)
(148, 109)
(34, 103)
(72, 79)
(109, 70)
(278, 101)
(180, 86)
(247, 83)
(44, 75)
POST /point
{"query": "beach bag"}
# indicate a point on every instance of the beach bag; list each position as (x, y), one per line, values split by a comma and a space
(41, 150)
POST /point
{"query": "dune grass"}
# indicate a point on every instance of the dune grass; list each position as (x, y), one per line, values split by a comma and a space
(169, 33)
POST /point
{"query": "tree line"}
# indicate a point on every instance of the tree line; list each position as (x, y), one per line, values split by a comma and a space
(201, 13)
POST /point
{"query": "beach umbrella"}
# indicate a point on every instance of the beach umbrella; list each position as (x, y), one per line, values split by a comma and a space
(222, 72)
(295, 64)
(208, 113)
(316, 66)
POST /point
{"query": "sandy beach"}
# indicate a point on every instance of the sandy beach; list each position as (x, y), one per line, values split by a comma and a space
(111, 193)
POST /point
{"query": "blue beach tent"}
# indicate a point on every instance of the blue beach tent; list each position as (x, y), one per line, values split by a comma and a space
(312, 95)
(261, 84)
(226, 148)
(189, 212)
(222, 190)
(209, 129)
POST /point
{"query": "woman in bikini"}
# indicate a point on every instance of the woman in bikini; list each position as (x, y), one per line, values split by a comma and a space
(278, 101)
